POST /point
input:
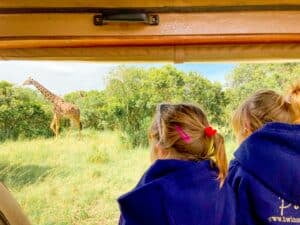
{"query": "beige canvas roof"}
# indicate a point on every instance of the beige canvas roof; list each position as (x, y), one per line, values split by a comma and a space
(187, 30)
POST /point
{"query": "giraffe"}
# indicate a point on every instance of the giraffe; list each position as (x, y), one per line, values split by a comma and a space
(61, 108)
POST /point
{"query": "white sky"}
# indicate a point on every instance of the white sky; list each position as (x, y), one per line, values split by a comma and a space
(64, 77)
(60, 77)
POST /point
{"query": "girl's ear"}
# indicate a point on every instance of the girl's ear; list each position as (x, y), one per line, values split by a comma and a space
(155, 152)
(247, 128)
(158, 152)
(245, 132)
(161, 152)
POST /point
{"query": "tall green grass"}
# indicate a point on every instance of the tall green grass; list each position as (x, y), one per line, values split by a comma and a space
(72, 180)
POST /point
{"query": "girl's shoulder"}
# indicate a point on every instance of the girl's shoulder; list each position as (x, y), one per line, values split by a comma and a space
(237, 175)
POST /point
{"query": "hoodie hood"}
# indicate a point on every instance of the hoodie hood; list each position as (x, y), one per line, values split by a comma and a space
(176, 190)
(272, 155)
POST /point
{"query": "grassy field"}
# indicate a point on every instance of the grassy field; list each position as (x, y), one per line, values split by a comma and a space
(70, 180)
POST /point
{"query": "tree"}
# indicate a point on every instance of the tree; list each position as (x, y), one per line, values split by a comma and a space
(245, 79)
(133, 93)
(22, 113)
(93, 110)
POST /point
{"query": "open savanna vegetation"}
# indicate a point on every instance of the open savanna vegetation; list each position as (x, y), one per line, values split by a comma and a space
(71, 180)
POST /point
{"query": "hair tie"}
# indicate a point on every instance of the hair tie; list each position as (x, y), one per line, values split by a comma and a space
(209, 131)
(184, 136)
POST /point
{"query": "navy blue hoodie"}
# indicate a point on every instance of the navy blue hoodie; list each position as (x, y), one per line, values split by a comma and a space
(176, 192)
(265, 176)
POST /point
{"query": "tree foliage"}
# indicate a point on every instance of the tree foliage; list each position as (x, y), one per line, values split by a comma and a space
(92, 108)
(133, 94)
(245, 79)
(22, 113)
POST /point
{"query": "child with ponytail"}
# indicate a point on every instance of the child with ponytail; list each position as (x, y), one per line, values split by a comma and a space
(265, 173)
(186, 183)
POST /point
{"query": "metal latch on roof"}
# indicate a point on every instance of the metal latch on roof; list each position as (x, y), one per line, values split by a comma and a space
(150, 19)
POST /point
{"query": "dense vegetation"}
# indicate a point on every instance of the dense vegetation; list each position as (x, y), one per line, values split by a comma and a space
(129, 99)
(23, 113)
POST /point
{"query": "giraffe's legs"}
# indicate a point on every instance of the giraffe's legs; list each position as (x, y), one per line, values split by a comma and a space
(79, 126)
(57, 125)
(71, 126)
(52, 125)
(76, 123)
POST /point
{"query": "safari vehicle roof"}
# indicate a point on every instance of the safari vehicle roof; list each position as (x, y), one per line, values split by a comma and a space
(188, 30)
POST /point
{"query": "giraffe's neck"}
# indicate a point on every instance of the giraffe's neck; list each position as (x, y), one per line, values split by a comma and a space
(45, 92)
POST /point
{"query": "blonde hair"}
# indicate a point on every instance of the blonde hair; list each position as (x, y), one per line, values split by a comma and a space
(266, 106)
(293, 98)
(192, 120)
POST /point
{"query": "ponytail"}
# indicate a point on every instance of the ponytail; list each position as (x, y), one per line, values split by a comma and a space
(220, 156)
(184, 130)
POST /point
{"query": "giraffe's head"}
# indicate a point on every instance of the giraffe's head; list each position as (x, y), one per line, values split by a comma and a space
(29, 81)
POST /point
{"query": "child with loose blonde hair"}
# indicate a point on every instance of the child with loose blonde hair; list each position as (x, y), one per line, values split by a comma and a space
(265, 173)
(262, 107)
(186, 183)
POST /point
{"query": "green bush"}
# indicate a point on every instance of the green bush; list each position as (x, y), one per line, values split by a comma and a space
(92, 106)
(22, 113)
(133, 93)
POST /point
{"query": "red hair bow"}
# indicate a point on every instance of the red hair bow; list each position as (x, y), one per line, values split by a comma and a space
(209, 131)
